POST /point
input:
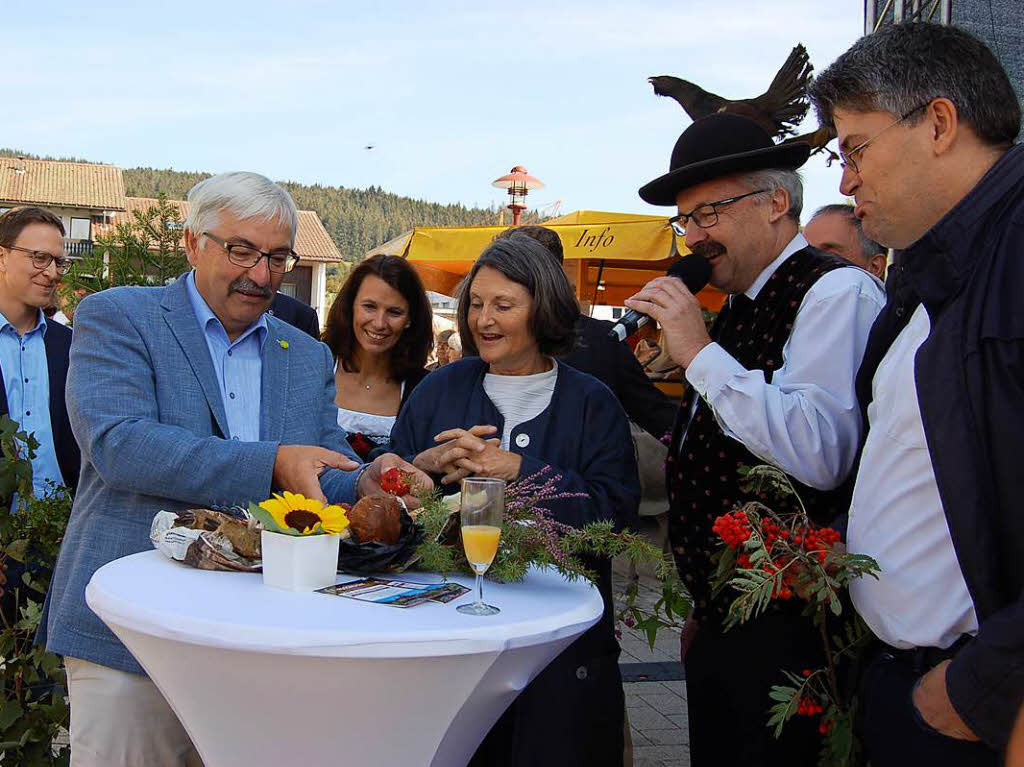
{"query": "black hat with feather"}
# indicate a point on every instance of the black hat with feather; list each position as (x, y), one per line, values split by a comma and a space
(719, 145)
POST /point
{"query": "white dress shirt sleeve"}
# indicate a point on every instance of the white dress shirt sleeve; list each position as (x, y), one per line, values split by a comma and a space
(807, 420)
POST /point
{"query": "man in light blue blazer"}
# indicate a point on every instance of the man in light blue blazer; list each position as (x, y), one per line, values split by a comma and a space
(183, 396)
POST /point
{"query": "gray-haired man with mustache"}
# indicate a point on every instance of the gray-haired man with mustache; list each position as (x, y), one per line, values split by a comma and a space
(773, 382)
(183, 396)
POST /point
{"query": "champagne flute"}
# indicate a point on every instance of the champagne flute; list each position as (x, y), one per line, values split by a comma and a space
(482, 510)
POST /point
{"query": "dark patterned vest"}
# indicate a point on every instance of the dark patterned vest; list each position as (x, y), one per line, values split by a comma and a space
(701, 472)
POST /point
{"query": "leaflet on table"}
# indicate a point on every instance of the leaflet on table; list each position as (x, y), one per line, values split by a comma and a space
(396, 593)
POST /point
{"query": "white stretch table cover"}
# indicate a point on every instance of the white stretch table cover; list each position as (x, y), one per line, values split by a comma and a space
(260, 676)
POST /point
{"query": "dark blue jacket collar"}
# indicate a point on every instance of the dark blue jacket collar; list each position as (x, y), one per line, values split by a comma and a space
(938, 264)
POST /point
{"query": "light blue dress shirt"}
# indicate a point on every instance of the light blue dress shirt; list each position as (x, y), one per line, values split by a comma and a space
(238, 365)
(27, 382)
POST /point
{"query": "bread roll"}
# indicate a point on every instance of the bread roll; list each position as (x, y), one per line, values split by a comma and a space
(376, 519)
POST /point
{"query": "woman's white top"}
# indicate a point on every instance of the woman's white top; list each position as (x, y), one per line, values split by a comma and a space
(376, 428)
(520, 398)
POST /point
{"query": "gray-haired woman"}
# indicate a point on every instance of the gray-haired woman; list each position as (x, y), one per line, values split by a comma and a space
(509, 409)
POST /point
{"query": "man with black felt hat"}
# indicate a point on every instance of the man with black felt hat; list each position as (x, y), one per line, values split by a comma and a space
(773, 382)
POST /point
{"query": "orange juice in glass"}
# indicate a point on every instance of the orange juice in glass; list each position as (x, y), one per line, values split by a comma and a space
(482, 510)
(481, 544)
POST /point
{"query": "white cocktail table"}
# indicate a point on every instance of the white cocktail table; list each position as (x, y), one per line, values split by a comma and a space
(260, 676)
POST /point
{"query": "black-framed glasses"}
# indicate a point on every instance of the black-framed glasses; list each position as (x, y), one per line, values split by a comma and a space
(706, 214)
(246, 255)
(847, 157)
(41, 260)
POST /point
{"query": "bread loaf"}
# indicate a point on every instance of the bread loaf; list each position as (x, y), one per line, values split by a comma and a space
(376, 519)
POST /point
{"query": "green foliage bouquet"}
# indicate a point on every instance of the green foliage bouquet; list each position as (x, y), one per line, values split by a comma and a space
(531, 536)
(768, 557)
(33, 707)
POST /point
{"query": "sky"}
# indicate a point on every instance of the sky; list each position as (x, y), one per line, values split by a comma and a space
(451, 95)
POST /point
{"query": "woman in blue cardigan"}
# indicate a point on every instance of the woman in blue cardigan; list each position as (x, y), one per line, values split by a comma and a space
(509, 409)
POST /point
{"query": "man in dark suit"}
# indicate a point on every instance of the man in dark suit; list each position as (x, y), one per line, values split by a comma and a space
(611, 362)
(296, 314)
(34, 349)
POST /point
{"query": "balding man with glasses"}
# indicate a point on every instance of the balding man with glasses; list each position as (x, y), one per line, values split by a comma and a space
(772, 382)
(184, 396)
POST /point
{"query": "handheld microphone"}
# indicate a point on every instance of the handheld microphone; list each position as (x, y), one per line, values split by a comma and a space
(693, 270)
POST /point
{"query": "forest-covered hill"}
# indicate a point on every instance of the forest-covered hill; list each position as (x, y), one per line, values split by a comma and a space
(357, 219)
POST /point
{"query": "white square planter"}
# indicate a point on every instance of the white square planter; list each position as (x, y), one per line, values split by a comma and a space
(299, 562)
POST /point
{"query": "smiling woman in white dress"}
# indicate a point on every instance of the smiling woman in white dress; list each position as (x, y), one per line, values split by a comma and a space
(380, 332)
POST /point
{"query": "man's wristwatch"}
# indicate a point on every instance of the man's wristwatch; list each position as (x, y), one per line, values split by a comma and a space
(359, 475)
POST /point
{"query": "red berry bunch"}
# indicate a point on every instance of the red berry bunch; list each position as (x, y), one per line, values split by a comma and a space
(808, 707)
(782, 544)
(817, 541)
(771, 532)
(825, 725)
(733, 528)
(395, 481)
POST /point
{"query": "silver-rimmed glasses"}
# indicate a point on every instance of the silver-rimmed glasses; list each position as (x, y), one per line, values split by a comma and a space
(705, 215)
(847, 157)
(248, 256)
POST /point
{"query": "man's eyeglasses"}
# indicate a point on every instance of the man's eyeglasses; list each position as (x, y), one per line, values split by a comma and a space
(705, 215)
(245, 255)
(41, 260)
(847, 157)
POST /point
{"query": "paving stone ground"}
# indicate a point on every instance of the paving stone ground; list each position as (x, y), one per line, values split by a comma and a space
(657, 710)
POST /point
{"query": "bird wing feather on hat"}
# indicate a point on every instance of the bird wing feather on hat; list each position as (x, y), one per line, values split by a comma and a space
(778, 110)
(732, 144)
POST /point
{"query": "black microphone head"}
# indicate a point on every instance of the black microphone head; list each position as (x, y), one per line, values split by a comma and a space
(693, 270)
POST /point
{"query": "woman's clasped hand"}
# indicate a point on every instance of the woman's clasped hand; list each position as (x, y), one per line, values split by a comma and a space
(465, 452)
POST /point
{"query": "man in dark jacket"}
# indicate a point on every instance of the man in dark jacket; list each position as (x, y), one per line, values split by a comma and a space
(926, 119)
(296, 314)
(34, 352)
(27, 237)
(611, 362)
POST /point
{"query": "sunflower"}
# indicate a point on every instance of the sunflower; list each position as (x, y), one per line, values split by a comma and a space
(295, 514)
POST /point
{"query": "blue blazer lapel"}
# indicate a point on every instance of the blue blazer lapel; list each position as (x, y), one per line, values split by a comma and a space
(182, 321)
(273, 395)
(57, 371)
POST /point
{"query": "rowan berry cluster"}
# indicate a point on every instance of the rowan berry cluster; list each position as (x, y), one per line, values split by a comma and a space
(818, 541)
(782, 544)
(733, 528)
(395, 481)
(808, 707)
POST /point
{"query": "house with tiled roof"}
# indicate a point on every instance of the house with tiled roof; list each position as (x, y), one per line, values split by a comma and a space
(306, 282)
(82, 194)
(90, 200)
